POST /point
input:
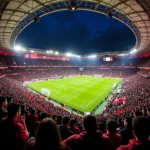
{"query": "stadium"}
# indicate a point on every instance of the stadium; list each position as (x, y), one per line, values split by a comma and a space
(75, 74)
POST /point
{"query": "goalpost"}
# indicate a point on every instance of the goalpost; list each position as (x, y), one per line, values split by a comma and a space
(99, 75)
(45, 92)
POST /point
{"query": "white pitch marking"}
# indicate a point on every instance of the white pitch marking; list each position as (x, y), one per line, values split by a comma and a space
(95, 98)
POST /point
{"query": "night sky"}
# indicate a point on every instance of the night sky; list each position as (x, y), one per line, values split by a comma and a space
(80, 32)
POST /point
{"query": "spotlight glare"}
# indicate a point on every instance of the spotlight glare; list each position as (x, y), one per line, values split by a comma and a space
(32, 51)
(72, 7)
(51, 51)
(23, 49)
(133, 51)
(47, 52)
(92, 56)
(69, 54)
(17, 48)
(56, 53)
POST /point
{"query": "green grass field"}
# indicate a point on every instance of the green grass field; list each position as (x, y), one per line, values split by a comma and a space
(83, 93)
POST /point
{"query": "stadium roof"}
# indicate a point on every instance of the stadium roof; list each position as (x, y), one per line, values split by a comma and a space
(15, 15)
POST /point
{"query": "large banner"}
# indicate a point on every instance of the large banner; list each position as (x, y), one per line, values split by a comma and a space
(37, 56)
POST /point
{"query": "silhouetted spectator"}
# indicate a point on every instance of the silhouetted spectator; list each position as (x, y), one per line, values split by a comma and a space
(9, 100)
(43, 116)
(111, 133)
(90, 139)
(102, 127)
(54, 117)
(141, 132)
(59, 120)
(3, 107)
(137, 114)
(64, 131)
(148, 112)
(47, 137)
(73, 127)
(31, 121)
(23, 110)
(13, 132)
(126, 132)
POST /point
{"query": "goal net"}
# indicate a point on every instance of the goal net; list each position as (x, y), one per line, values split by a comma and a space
(99, 75)
(45, 92)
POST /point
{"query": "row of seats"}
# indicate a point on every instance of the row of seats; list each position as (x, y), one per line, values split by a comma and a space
(21, 61)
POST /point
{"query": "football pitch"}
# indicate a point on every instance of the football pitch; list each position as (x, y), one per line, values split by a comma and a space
(82, 93)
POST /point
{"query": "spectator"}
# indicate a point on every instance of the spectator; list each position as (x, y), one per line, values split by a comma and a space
(90, 139)
(64, 131)
(59, 120)
(13, 132)
(73, 127)
(137, 114)
(47, 137)
(126, 132)
(120, 124)
(9, 100)
(43, 116)
(3, 106)
(148, 112)
(54, 117)
(141, 132)
(111, 133)
(23, 110)
(31, 121)
(102, 127)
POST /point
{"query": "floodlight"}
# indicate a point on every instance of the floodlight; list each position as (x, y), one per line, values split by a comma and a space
(69, 54)
(56, 53)
(72, 6)
(92, 56)
(32, 51)
(51, 51)
(23, 49)
(47, 52)
(17, 48)
(133, 51)
(121, 55)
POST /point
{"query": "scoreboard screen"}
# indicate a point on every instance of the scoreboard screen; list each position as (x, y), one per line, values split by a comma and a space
(80, 69)
(107, 58)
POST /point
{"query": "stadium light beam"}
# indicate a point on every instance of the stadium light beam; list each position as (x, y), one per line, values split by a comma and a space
(23, 49)
(47, 52)
(56, 53)
(72, 55)
(92, 56)
(69, 54)
(133, 51)
(17, 48)
(32, 51)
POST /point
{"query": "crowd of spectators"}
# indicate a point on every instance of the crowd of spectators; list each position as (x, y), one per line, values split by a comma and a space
(6, 61)
(29, 122)
(15, 133)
